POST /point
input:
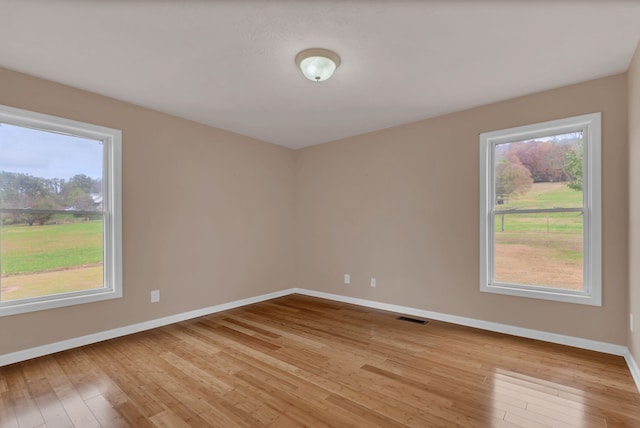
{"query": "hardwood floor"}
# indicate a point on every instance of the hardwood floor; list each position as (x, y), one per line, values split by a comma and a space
(301, 361)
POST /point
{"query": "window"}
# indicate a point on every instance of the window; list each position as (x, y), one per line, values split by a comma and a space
(60, 221)
(540, 232)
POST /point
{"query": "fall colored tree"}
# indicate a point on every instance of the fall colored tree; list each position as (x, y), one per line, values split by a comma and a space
(543, 159)
(512, 178)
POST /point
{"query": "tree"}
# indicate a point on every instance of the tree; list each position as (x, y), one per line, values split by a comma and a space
(23, 191)
(56, 185)
(573, 160)
(76, 192)
(96, 187)
(512, 178)
(544, 159)
(40, 218)
(80, 200)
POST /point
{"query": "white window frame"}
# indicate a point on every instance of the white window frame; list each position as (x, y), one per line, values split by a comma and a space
(112, 208)
(590, 125)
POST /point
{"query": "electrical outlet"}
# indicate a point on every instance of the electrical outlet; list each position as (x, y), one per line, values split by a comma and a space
(631, 322)
(373, 282)
(347, 278)
(155, 296)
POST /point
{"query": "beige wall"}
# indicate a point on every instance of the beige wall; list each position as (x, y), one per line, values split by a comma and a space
(634, 202)
(402, 205)
(207, 215)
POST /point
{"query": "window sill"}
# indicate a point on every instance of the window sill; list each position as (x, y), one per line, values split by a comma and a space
(553, 294)
(15, 307)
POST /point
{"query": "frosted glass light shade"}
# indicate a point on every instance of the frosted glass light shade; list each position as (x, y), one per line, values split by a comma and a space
(317, 64)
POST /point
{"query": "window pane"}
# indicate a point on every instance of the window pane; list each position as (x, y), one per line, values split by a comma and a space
(45, 254)
(540, 173)
(45, 170)
(542, 249)
(51, 259)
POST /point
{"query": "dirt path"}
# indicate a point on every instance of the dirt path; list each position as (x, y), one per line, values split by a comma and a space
(523, 264)
(51, 282)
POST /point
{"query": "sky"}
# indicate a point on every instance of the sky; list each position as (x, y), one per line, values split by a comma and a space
(47, 154)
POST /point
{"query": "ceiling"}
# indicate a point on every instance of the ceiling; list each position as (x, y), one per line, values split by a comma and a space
(230, 64)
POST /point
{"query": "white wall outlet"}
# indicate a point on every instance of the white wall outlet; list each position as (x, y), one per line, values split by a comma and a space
(155, 296)
(631, 322)
(347, 278)
(373, 282)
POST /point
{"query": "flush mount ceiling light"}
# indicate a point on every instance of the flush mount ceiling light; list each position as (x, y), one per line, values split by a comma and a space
(317, 64)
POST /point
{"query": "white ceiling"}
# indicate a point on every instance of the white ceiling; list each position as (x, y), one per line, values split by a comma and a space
(230, 64)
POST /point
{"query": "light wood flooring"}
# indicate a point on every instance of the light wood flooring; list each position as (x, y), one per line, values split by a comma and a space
(301, 361)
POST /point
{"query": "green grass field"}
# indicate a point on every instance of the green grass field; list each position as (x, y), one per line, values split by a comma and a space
(51, 282)
(29, 249)
(546, 195)
(541, 249)
(50, 259)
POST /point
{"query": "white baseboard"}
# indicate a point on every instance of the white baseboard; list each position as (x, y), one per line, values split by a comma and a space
(51, 348)
(633, 368)
(608, 348)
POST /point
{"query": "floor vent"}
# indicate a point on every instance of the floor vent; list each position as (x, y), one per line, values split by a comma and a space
(417, 321)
